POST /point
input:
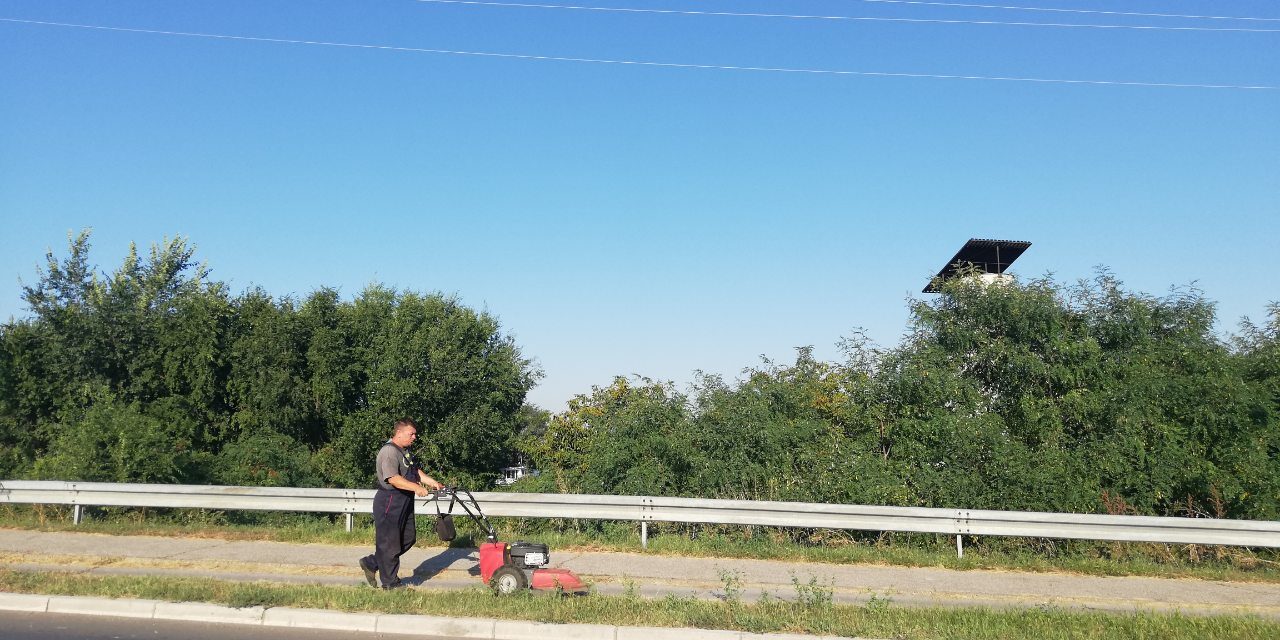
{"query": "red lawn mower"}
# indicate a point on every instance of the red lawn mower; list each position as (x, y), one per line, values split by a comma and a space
(505, 567)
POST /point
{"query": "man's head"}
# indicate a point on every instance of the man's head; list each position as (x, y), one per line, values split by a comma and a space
(406, 431)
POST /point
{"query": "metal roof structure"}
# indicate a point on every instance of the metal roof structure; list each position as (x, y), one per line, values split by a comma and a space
(989, 256)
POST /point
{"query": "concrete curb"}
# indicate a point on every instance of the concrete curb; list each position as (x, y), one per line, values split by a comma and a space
(118, 608)
(202, 612)
(481, 628)
(319, 619)
(24, 602)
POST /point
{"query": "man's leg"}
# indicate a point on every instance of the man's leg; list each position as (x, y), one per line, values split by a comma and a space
(387, 538)
(408, 532)
(369, 563)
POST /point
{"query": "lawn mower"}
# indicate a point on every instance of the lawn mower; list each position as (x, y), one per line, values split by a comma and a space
(505, 567)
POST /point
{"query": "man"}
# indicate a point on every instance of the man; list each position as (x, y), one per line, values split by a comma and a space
(400, 478)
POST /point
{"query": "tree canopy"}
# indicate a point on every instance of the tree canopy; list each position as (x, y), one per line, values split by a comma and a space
(155, 373)
(1036, 396)
(1041, 396)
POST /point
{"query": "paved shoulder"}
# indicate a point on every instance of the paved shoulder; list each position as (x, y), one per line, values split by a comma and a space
(650, 575)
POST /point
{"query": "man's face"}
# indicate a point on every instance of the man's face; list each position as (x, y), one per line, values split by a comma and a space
(405, 437)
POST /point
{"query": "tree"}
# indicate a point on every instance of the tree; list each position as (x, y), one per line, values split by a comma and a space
(155, 355)
(108, 440)
(432, 358)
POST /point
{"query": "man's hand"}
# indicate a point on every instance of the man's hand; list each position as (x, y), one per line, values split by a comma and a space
(431, 483)
(400, 482)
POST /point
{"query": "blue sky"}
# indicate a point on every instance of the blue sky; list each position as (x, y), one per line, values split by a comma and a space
(625, 219)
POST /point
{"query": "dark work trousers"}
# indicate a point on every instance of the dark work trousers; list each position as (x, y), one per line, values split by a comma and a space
(394, 531)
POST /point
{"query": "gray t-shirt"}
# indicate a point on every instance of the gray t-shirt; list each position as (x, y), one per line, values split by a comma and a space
(393, 460)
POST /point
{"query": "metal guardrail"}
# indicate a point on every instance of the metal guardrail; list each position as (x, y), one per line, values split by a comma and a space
(645, 509)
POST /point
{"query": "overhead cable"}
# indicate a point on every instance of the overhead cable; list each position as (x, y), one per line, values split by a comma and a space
(522, 56)
(1068, 25)
(964, 5)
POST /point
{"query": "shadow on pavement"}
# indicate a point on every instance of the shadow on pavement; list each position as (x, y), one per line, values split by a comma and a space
(431, 567)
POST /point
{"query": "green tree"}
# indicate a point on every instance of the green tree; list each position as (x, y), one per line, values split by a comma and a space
(267, 383)
(266, 459)
(625, 438)
(1032, 396)
(243, 389)
(108, 440)
(429, 357)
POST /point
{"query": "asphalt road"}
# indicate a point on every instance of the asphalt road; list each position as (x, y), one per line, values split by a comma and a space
(53, 626)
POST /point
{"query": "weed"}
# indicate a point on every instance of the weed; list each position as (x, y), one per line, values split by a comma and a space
(630, 588)
(814, 594)
(876, 604)
(731, 582)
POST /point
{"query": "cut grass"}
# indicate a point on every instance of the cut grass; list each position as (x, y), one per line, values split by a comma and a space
(814, 614)
(1081, 557)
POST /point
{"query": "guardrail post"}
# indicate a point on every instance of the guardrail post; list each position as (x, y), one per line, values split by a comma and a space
(646, 514)
(962, 526)
(77, 514)
(350, 507)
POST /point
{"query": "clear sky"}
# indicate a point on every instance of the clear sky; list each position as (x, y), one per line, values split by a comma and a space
(654, 220)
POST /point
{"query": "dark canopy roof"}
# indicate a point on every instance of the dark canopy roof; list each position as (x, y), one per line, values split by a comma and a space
(989, 256)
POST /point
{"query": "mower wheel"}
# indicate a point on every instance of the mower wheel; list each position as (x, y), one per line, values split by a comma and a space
(508, 580)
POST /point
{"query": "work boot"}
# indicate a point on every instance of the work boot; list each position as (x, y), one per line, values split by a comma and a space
(370, 572)
(395, 585)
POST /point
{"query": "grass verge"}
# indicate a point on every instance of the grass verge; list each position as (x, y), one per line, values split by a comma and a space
(812, 613)
(1081, 557)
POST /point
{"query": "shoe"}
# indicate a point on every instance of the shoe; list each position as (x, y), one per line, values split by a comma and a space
(370, 573)
(394, 585)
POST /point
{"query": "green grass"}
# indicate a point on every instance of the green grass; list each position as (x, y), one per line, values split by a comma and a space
(812, 613)
(909, 550)
(193, 523)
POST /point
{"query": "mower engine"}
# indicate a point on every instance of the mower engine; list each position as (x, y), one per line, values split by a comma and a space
(508, 568)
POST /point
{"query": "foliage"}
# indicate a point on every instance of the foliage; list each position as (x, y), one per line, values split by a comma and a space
(107, 440)
(1082, 397)
(155, 373)
(1035, 396)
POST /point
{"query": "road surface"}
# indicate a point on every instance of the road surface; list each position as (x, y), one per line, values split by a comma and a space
(61, 626)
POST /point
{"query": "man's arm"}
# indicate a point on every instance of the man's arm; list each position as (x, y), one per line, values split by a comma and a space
(398, 481)
(429, 482)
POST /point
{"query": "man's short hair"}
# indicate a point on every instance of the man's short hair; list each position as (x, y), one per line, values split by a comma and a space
(404, 423)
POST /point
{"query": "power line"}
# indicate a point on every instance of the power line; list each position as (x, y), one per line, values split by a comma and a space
(1056, 10)
(1068, 25)
(642, 63)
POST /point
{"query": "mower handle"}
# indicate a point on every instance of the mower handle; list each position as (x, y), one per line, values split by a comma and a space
(468, 504)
